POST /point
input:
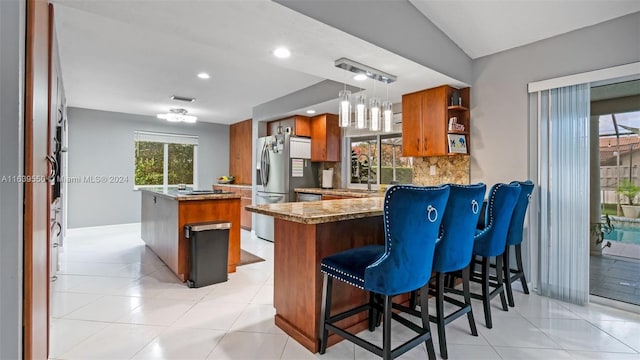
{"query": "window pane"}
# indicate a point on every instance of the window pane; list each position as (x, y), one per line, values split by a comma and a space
(180, 164)
(149, 163)
(395, 168)
(364, 161)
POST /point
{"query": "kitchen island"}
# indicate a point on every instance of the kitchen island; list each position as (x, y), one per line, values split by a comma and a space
(164, 215)
(304, 233)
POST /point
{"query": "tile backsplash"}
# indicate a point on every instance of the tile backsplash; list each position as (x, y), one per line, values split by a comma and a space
(448, 169)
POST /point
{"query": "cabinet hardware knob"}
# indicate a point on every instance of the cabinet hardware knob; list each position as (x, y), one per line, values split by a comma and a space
(54, 278)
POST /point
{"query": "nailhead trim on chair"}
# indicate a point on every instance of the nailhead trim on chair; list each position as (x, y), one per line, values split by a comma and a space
(493, 195)
(343, 273)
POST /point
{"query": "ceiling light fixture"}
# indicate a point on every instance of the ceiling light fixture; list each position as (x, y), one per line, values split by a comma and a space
(282, 53)
(311, 111)
(378, 113)
(178, 115)
(360, 77)
(204, 75)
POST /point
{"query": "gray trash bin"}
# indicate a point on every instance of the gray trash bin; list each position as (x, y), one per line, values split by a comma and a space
(208, 252)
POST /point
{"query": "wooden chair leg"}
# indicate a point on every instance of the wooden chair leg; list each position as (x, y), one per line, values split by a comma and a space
(467, 299)
(413, 300)
(440, 314)
(386, 329)
(500, 285)
(424, 312)
(486, 291)
(373, 312)
(507, 277)
(325, 312)
(523, 280)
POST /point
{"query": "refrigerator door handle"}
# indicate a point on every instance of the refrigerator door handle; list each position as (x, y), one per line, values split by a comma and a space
(267, 162)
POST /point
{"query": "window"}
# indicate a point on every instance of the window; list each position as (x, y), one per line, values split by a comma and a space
(367, 152)
(165, 159)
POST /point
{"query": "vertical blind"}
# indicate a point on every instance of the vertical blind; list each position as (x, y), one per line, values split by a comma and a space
(563, 121)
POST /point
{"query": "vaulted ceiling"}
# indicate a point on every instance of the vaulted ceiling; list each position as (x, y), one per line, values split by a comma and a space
(132, 56)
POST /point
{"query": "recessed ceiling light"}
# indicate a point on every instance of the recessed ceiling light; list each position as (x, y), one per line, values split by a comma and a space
(203, 75)
(282, 53)
(360, 77)
(311, 111)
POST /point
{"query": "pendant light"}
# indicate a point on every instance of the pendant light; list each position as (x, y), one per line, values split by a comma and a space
(361, 111)
(387, 114)
(374, 110)
(344, 109)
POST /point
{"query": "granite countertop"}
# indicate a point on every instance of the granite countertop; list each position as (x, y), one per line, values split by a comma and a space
(318, 212)
(240, 186)
(355, 193)
(184, 196)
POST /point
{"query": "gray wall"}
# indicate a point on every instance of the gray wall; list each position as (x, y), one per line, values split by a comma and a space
(499, 114)
(12, 22)
(102, 143)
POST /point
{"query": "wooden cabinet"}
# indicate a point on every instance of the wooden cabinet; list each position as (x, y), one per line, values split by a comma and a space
(425, 121)
(246, 193)
(299, 125)
(325, 138)
(240, 143)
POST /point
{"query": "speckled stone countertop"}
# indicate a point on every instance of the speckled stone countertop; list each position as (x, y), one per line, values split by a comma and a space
(355, 193)
(240, 186)
(318, 212)
(182, 196)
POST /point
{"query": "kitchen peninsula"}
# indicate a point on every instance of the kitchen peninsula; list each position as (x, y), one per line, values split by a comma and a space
(164, 215)
(304, 233)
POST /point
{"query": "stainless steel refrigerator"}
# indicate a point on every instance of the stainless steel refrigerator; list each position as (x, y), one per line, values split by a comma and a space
(283, 164)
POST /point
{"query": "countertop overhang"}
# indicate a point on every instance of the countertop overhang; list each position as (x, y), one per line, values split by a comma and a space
(182, 196)
(355, 193)
(318, 212)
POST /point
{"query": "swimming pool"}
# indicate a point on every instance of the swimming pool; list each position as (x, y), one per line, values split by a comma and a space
(625, 234)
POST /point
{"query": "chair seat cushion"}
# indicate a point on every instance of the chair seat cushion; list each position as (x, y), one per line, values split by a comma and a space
(349, 266)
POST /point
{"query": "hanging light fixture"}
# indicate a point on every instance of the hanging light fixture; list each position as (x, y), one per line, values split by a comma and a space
(375, 110)
(387, 114)
(344, 108)
(361, 111)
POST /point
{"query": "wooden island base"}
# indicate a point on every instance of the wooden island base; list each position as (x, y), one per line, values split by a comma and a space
(298, 249)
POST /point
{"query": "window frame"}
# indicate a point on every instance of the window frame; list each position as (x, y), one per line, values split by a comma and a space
(166, 139)
(378, 160)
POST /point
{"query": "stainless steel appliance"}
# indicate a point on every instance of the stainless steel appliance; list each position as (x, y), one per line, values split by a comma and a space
(283, 164)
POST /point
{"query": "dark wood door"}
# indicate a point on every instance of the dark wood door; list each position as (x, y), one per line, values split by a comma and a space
(36, 204)
(240, 140)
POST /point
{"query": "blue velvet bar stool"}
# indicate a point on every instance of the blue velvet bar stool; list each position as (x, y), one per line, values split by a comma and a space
(491, 242)
(412, 216)
(514, 238)
(454, 253)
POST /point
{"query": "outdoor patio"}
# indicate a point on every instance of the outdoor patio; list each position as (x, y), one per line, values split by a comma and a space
(615, 278)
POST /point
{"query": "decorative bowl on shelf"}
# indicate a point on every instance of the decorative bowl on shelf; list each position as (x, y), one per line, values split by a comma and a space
(225, 179)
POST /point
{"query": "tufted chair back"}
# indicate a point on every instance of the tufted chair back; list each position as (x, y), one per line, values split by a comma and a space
(514, 235)
(454, 250)
(491, 240)
(412, 216)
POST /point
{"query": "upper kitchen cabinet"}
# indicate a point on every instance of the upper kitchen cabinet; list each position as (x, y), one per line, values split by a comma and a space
(325, 138)
(240, 151)
(435, 122)
(299, 126)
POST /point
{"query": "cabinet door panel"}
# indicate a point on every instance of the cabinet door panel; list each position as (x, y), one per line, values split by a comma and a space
(412, 139)
(434, 112)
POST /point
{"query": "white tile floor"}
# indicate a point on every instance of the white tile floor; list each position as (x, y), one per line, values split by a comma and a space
(115, 300)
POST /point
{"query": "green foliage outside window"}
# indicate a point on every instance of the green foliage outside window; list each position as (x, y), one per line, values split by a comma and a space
(149, 162)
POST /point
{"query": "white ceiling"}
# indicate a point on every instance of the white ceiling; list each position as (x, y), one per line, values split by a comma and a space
(132, 56)
(485, 27)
